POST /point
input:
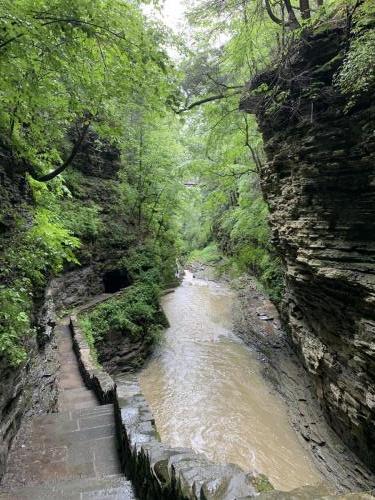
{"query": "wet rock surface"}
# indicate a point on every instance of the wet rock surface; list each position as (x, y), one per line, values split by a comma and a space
(71, 454)
(319, 185)
(120, 354)
(25, 392)
(283, 369)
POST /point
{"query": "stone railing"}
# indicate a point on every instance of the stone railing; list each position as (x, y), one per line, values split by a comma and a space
(94, 376)
(158, 471)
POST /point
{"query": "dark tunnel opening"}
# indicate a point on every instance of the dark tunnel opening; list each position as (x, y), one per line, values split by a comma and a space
(115, 280)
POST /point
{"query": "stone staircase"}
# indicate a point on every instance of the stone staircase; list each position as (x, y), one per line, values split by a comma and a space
(71, 454)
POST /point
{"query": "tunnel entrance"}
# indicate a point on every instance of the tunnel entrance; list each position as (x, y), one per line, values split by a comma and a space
(115, 280)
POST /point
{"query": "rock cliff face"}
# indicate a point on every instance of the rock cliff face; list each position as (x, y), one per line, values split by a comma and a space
(30, 387)
(31, 384)
(319, 182)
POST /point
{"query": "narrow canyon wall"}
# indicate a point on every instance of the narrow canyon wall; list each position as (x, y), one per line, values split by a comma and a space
(319, 182)
(30, 387)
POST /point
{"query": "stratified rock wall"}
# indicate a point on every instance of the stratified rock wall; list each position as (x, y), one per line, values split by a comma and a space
(319, 183)
(29, 387)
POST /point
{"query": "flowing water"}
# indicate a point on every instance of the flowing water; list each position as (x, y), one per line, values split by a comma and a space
(206, 391)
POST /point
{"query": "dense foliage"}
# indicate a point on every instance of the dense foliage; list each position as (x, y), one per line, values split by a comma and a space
(69, 64)
(233, 43)
(224, 215)
(97, 72)
(223, 147)
(76, 72)
(135, 314)
(356, 77)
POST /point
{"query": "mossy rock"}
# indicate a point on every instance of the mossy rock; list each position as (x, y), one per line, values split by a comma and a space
(262, 483)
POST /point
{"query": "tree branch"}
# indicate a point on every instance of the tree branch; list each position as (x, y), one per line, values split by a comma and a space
(220, 84)
(293, 21)
(55, 20)
(274, 18)
(233, 173)
(3, 44)
(254, 154)
(208, 99)
(68, 161)
(73, 21)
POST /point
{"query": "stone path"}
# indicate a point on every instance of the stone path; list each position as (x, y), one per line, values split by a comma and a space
(71, 454)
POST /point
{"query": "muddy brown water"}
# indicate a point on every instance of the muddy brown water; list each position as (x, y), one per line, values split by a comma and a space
(207, 392)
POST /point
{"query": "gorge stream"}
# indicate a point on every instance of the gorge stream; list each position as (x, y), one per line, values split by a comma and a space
(207, 392)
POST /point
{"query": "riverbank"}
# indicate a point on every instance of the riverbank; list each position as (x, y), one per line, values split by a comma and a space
(206, 390)
(257, 322)
(215, 345)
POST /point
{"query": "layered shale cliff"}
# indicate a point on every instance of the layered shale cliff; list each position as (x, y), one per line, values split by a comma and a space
(319, 182)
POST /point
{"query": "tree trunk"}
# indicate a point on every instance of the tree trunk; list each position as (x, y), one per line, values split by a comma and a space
(305, 9)
(292, 19)
(68, 161)
(272, 16)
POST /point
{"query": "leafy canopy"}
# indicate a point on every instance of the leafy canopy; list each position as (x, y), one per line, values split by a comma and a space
(67, 63)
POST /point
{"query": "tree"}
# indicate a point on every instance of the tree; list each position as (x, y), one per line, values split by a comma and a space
(73, 64)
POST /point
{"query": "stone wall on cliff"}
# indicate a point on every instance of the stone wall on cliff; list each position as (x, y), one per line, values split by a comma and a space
(319, 182)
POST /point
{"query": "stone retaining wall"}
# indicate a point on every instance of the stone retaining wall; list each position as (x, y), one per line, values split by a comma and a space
(94, 376)
(157, 470)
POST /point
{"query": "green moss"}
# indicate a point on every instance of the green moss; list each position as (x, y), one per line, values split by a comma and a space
(262, 484)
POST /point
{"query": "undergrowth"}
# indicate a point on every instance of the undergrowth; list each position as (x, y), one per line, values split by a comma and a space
(135, 314)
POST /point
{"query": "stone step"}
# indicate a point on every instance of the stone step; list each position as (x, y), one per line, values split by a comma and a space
(68, 445)
(77, 398)
(72, 454)
(100, 409)
(77, 393)
(111, 488)
(74, 420)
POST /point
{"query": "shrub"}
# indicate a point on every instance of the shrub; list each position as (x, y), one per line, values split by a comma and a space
(135, 314)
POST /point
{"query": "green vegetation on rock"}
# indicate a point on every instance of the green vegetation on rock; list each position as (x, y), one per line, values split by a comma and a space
(100, 129)
(87, 147)
(135, 314)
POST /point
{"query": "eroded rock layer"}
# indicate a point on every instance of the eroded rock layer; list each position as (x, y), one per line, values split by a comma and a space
(319, 182)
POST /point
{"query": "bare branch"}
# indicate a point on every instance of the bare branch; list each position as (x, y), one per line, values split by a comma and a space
(68, 161)
(233, 173)
(254, 154)
(220, 84)
(208, 99)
